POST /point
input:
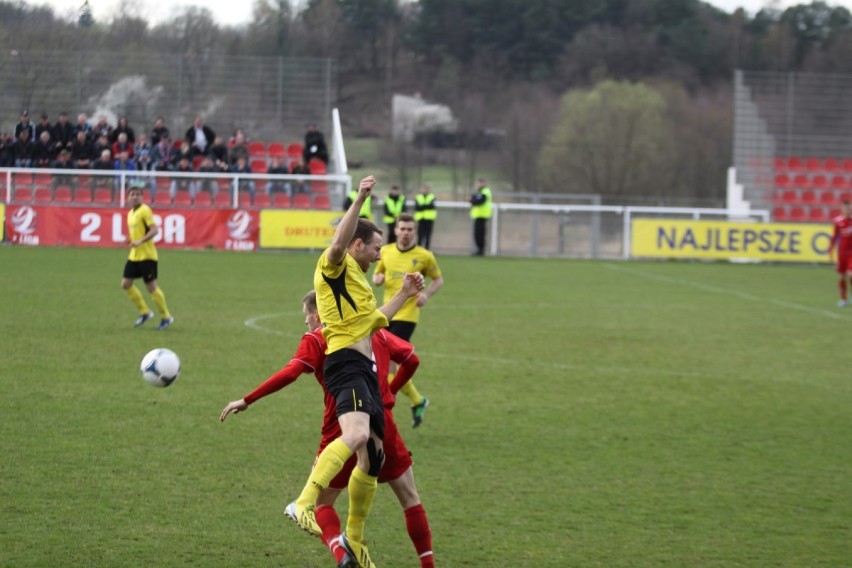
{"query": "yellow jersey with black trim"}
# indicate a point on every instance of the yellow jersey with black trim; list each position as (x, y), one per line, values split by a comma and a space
(345, 303)
(394, 264)
(139, 220)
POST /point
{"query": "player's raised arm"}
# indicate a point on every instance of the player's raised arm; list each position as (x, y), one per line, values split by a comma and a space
(346, 228)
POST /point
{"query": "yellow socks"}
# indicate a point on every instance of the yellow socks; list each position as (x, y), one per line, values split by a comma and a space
(362, 489)
(137, 299)
(160, 299)
(329, 464)
(409, 390)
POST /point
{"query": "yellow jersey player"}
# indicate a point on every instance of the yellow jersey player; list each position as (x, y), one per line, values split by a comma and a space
(403, 256)
(142, 262)
(349, 315)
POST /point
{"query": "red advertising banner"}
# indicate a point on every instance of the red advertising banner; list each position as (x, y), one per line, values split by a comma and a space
(230, 229)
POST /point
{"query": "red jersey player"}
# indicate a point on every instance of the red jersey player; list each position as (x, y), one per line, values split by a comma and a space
(842, 239)
(396, 470)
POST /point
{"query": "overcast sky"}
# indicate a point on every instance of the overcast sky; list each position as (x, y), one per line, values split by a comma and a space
(235, 12)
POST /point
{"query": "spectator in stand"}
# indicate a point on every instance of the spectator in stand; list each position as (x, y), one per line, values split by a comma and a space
(62, 162)
(45, 151)
(124, 163)
(200, 137)
(299, 168)
(102, 128)
(163, 154)
(238, 149)
(219, 155)
(101, 144)
(239, 136)
(63, 132)
(241, 166)
(276, 167)
(23, 149)
(43, 126)
(159, 130)
(314, 146)
(123, 127)
(103, 163)
(84, 126)
(82, 150)
(142, 153)
(208, 166)
(184, 166)
(6, 142)
(123, 144)
(25, 124)
(184, 152)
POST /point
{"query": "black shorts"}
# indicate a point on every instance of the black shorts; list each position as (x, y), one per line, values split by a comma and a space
(351, 379)
(402, 329)
(144, 269)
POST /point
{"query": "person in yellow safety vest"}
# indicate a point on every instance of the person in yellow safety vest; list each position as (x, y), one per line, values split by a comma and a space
(480, 212)
(394, 206)
(366, 209)
(425, 215)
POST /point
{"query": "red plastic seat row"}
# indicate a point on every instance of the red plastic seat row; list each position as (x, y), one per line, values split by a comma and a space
(795, 163)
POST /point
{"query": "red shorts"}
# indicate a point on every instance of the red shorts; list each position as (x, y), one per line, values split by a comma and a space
(844, 263)
(397, 456)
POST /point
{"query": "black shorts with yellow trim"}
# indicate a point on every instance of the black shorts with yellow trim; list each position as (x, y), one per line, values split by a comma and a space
(144, 269)
(351, 379)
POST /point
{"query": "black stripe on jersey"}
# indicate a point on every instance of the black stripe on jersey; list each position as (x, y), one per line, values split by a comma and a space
(338, 288)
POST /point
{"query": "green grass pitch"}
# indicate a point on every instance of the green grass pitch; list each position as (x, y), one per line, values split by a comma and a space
(588, 414)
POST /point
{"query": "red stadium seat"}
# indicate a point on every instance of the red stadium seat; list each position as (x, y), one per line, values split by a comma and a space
(203, 199)
(322, 201)
(835, 212)
(820, 181)
(780, 163)
(41, 195)
(162, 197)
(183, 197)
(103, 195)
(42, 179)
(258, 166)
(62, 194)
(244, 199)
(276, 150)
(847, 165)
(839, 182)
(783, 181)
(808, 197)
(797, 213)
(294, 150)
(828, 197)
(779, 213)
(19, 178)
(813, 164)
(23, 195)
(257, 149)
(802, 181)
(281, 200)
(790, 196)
(146, 196)
(794, 163)
(817, 215)
(262, 200)
(222, 199)
(831, 165)
(302, 201)
(82, 195)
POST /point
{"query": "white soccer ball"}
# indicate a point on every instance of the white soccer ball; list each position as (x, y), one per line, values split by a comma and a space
(160, 367)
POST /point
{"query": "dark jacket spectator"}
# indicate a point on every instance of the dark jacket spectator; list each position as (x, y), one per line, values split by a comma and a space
(125, 128)
(63, 131)
(82, 151)
(83, 126)
(23, 149)
(45, 151)
(6, 142)
(102, 128)
(43, 126)
(219, 153)
(314, 146)
(163, 154)
(25, 124)
(159, 130)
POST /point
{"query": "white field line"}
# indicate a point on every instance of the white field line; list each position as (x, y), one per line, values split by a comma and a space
(730, 292)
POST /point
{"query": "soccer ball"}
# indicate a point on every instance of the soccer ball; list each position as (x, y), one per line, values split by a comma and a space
(160, 367)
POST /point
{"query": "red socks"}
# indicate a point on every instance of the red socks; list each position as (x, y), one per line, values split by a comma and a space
(843, 288)
(329, 522)
(420, 534)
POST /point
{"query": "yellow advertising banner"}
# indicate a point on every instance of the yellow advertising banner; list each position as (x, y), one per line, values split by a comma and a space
(786, 242)
(297, 229)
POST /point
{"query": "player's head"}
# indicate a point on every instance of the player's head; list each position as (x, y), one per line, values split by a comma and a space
(366, 244)
(846, 206)
(405, 231)
(309, 308)
(134, 193)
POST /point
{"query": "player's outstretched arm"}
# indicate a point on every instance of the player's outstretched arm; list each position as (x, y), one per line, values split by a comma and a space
(233, 407)
(346, 228)
(412, 283)
(434, 286)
